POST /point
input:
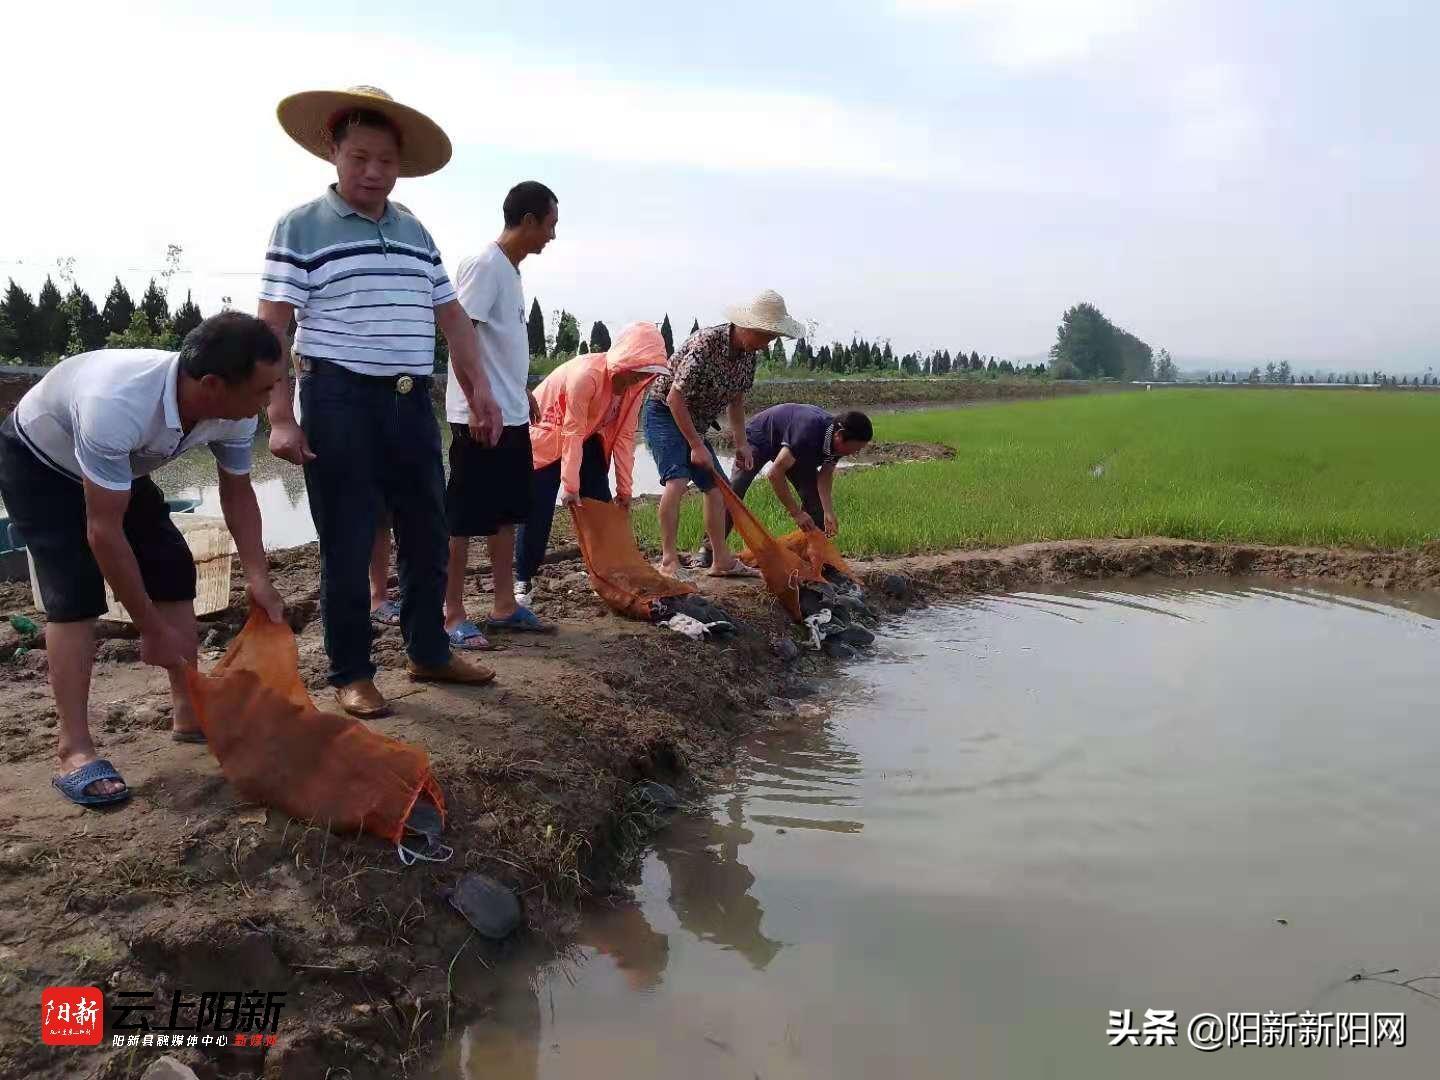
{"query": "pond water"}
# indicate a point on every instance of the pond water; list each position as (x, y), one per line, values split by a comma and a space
(280, 487)
(1028, 811)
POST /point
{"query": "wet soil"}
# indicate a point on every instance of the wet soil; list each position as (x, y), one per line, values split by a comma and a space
(188, 888)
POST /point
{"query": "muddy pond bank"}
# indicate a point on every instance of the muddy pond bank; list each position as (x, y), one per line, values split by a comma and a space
(186, 888)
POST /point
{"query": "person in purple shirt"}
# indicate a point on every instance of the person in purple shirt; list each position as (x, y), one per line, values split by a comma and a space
(804, 442)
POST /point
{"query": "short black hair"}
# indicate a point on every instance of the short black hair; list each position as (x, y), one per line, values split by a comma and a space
(528, 197)
(228, 345)
(854, 427)
(350, 119)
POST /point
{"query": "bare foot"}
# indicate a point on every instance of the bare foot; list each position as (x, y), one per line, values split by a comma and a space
(182, 717)
(70, 762)
(671, 568)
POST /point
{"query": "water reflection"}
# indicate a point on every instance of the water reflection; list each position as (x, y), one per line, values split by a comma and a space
(280, 487)
(1013, 823)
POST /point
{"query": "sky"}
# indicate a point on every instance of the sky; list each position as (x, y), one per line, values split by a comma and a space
(1235, 181)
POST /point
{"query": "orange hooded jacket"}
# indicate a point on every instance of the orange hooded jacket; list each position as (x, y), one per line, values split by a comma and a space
(578, 397)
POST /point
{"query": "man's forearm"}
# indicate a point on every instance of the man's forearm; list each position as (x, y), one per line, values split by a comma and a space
(826, 488)
(681, 412)
(116, 560)
(737, 421)
(783, 492)
(281, 409)
(241, 511)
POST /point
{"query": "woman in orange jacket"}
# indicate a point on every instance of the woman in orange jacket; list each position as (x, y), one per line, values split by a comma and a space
(589, 409)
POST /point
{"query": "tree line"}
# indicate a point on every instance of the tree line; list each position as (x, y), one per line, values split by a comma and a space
(1281, 374)
(52, 325)
(860, 356)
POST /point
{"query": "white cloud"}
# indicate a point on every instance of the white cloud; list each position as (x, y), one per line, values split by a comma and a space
(1036, 33)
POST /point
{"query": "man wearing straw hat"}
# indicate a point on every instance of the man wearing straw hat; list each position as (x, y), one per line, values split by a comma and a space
(710, 373)
(364, 282)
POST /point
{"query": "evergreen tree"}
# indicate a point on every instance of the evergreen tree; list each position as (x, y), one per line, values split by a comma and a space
(86, 324)
(535, 329)
(599, 337)
(155, 306)
(567, 335)
(26, 333)
(1282, 373)
(118, 309)
(668, 335)
(584, 349)
(7, 337)
(695, 327)
(975, 364)
(187, 317)
(52, 320)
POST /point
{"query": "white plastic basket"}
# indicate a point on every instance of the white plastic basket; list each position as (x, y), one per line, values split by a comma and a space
(212, 548)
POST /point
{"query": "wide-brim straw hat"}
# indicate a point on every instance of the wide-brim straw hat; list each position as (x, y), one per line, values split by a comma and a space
(766, 312)
(309, 116)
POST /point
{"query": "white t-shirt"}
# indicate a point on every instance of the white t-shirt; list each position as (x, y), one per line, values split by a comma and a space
(488, 288)
(113, 415)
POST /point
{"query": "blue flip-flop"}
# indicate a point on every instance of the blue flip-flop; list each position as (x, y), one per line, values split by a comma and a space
(387, 614)
(521, 621)
(73, 784)
(468, 636)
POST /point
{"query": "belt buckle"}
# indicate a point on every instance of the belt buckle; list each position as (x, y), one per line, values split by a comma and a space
(404, 384)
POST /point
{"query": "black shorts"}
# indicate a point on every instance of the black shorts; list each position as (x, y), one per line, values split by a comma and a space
(490, 486)
(47, 508)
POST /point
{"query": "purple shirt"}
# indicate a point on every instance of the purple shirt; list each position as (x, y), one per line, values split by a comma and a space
(807, 430)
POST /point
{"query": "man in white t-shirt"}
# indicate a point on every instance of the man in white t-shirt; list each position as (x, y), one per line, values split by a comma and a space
(75, 462)
(489, 491)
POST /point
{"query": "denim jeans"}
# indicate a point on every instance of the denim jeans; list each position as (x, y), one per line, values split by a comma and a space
(532, 538)
(376, 450)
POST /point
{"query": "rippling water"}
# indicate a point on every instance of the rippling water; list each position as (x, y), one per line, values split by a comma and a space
(1028, 811)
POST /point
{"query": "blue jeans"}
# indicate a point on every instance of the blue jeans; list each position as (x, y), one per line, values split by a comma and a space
(670, 450)
(375, 450)
(533, 537)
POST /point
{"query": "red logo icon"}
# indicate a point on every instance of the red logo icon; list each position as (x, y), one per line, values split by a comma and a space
(72, 1016)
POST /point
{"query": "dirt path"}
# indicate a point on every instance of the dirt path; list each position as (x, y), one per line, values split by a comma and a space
(187, 888)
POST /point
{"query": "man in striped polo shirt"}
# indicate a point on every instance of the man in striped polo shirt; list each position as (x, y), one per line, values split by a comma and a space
(364, 282)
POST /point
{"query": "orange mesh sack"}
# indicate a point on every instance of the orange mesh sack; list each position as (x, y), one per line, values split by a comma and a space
(619, 573)
(781, 568)
(814, 547)
(279, 750)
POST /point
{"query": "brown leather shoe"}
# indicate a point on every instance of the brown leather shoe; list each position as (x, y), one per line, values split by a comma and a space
(457, 670)
(361, 700)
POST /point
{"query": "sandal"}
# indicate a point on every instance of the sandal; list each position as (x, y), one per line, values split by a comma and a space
(73, 784)
(387, 614)
(737, 570)
(521, 620)
(467, 636)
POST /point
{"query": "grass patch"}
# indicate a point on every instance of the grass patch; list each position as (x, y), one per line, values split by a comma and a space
(1326, 468)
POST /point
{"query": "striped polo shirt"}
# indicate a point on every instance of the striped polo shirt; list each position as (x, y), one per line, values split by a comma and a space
(364, 292)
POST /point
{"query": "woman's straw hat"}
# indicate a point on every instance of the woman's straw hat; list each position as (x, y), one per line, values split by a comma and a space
(766, 312)
(308, 117)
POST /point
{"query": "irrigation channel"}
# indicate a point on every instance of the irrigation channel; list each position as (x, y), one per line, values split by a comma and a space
(1027, 811)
